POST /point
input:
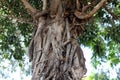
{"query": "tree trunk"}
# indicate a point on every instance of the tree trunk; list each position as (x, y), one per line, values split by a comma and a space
(56, 56)
(54, 50)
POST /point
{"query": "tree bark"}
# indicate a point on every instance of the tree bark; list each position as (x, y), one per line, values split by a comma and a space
(53, 50)
(56, 55)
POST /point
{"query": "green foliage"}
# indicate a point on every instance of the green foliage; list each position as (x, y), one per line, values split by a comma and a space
(15, 35)
(100, 76)
(102, 35)
(10, 40)
(113, 33)
(37, 4)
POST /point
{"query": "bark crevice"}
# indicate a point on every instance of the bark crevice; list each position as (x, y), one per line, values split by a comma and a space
(56, 55)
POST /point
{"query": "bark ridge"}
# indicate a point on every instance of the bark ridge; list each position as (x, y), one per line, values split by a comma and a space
(56, 54)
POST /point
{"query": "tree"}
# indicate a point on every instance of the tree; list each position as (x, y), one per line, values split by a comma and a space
(58, 26)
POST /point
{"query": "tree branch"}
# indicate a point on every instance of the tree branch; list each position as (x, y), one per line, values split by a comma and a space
(44, 4)
(32, 11)
(82, 15)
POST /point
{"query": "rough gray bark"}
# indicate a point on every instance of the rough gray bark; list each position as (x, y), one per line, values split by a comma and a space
(53, 50)
(56, 54)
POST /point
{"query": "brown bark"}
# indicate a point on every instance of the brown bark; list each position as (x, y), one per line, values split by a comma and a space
(82, 15)
(29, 8)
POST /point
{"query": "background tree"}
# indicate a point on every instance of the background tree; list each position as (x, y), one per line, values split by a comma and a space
(57, 25)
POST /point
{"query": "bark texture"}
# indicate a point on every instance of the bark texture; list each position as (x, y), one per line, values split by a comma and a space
(53, 50)
(56, 54)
